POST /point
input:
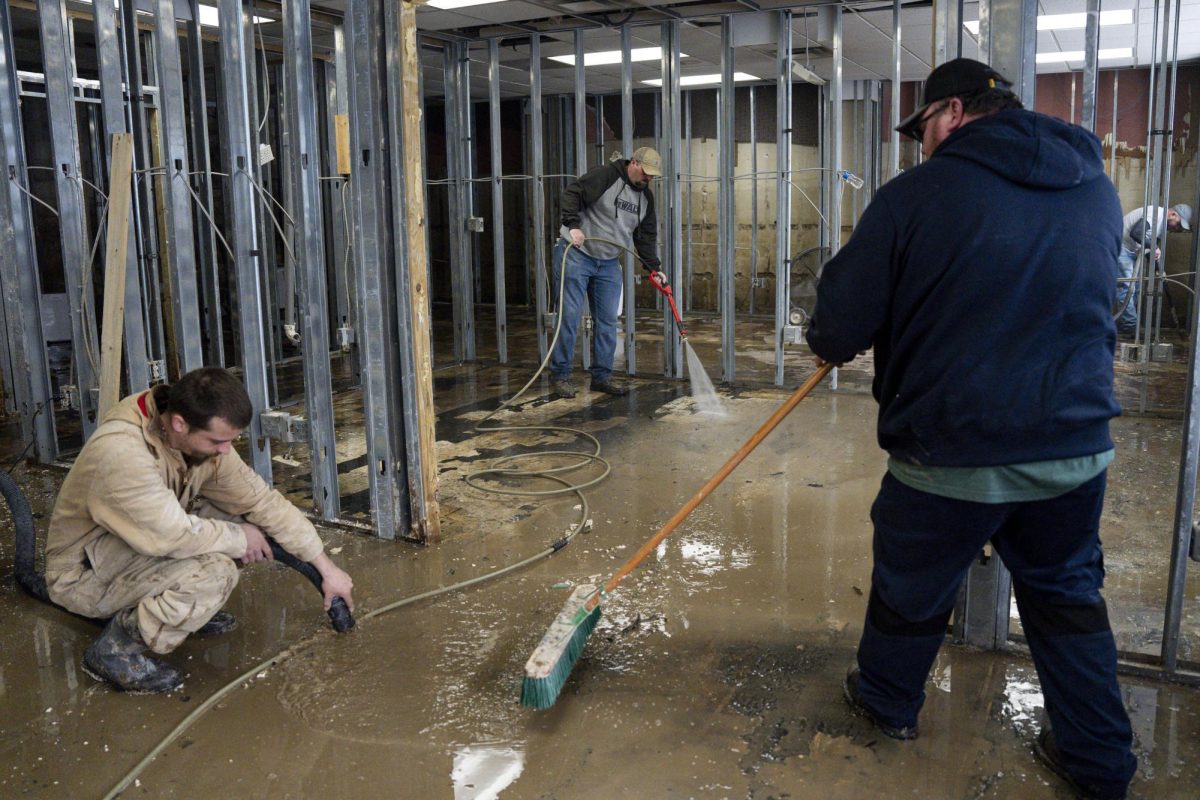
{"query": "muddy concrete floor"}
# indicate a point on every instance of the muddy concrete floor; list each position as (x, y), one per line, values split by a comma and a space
(714, 673)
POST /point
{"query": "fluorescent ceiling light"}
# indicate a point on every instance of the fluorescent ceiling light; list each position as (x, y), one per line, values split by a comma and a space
(209, 16)
(449, 5)
(1062, 22)
(614, 56)
(703, 80)
(1078, 55)
(805, 74)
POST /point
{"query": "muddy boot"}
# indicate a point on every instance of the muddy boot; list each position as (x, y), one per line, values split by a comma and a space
(608, 387)
(221, 622)
(562, 389)
(118, 656)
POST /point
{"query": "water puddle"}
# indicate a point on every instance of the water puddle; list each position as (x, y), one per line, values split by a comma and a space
(482, 771)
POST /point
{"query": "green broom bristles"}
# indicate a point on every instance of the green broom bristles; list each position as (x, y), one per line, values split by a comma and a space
(547, 670)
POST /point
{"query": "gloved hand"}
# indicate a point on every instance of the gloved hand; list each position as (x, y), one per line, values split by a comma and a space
(577, 237)
(658, 277)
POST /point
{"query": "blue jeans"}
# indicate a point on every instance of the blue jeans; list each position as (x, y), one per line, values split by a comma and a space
(600, 280)
(923, 547)
(1128, 318)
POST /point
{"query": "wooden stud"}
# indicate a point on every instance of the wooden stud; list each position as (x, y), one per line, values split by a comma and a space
(341, 130)
(429, 528)
(120, 184)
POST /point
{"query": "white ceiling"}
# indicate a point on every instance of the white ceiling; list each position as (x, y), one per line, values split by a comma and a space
(867, 32)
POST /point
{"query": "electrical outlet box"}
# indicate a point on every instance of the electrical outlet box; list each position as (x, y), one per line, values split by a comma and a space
(70, 397)
(158, 371)
(284, 427)
(475, 224)
(792, 334)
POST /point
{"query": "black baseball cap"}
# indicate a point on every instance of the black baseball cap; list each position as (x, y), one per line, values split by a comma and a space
(952, 79)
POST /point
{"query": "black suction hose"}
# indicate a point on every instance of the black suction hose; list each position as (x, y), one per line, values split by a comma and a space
(339, 612)
(35, 583)
(26, 564)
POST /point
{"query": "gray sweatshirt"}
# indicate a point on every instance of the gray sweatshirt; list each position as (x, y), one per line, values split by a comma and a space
(1134, 230)
(604, 204)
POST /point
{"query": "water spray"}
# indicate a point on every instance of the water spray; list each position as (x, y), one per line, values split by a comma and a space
(703, 391)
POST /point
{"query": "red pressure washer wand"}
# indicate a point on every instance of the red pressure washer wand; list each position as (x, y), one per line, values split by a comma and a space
(661, 285)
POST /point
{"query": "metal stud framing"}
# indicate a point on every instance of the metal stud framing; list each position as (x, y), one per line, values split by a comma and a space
(243, 233)
(59, 67)
(207, 257)
(460, 189)
(19, 268)
(581, 163)
(627, 149)
(833, 148)
(670, 199)
(726, 228)
(112, 99)
(897, 48)
(1091, 66)
(947, 30)
(339, 253)
(185, 300)
(144, 191)
(497, 200)
(374, 280)
(783, 187)
(537, 169)
(310, 255)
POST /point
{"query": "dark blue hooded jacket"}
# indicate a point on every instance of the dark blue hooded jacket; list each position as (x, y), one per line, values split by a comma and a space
(984, 279)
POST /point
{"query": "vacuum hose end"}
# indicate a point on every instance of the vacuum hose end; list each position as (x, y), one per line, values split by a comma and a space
(340, 616)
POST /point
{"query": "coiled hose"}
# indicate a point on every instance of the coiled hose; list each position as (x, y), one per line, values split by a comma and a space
(34, 582)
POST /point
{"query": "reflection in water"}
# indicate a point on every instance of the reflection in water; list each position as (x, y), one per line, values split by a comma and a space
(1022, 700)
(482, 771)
(941, 678)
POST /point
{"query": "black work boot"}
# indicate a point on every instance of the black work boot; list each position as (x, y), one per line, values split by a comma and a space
(855, 701)
(221, 622)
(118, 656)
(563, 389)
(1046, 749)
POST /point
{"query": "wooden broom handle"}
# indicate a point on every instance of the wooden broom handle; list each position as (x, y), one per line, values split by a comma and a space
(720, 475)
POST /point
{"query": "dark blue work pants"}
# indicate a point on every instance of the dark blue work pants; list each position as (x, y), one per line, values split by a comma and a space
(923, 546)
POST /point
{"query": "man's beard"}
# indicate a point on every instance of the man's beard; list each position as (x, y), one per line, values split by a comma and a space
(195, 459)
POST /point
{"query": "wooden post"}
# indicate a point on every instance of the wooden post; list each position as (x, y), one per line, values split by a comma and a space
(341, 130)
(116, 247)
(429, 528)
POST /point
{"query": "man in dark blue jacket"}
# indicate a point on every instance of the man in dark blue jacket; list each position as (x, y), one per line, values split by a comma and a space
(984, 280)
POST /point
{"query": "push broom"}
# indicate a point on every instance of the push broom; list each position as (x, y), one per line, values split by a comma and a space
(547, 670)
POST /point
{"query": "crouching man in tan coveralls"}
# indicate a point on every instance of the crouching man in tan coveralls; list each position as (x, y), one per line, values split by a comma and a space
(151, 518)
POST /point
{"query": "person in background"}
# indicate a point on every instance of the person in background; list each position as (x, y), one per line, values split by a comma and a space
(1136, 236)
(611, 202)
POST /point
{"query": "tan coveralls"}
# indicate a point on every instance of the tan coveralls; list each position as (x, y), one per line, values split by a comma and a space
(136, 525)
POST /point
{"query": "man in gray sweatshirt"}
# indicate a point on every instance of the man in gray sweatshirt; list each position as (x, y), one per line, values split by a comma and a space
(612, 202)
(1137, 237)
